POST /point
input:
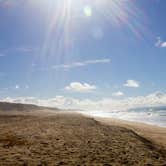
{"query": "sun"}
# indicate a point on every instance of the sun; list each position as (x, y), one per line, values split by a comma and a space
(116, 11)
(64, 16)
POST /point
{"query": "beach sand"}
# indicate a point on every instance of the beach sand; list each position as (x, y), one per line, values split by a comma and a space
(152, 132)
(43, 138)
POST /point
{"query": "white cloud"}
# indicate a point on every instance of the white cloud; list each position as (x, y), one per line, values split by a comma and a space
(81, 64)
(118, 94)
(24, 49)
(79, 87)
(105, 104)
(17, 87)
(132, 84)
(163, 44)
(160, 43)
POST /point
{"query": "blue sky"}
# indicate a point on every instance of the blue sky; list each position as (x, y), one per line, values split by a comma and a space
(81, 49)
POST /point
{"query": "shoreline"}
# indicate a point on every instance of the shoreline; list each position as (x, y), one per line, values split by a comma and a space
(149, 120)
(154, 133)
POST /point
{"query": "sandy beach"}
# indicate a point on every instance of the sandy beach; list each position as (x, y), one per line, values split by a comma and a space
(152, 132)
(67, 64)
(42, 138)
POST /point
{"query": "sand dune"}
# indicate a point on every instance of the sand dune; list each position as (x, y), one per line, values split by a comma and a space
(72, 139)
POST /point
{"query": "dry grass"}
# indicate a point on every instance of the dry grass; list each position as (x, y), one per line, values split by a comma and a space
(65, 139)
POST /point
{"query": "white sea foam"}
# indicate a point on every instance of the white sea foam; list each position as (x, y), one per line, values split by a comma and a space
(144, 115)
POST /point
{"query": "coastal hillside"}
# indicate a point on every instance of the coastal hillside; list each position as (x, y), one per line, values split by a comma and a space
(7, 107)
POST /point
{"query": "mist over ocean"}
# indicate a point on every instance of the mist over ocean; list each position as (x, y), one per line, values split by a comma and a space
(148, 115)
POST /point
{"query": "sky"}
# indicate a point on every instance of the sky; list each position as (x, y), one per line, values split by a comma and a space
(101, 54)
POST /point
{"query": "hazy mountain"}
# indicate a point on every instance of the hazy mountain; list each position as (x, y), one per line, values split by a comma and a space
(4, 106)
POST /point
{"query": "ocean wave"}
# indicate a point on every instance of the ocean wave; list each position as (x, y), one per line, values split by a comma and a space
(154, 116)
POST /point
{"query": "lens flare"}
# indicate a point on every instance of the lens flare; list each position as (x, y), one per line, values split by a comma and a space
(88, 11)
(66, 15)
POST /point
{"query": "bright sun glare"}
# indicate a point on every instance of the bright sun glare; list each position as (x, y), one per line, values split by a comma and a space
(117, 12)
(65, 12)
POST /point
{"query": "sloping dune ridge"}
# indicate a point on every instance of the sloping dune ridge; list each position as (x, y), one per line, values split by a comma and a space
(49, 137)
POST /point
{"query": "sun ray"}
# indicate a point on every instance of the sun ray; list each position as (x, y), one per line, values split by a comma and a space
(58, 39)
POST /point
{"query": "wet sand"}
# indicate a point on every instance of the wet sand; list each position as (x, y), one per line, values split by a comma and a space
(43, 138)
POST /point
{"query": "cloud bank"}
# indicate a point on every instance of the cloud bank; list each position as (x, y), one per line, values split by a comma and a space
(105, 104)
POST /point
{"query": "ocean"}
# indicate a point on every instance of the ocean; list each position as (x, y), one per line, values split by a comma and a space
(148, 115)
